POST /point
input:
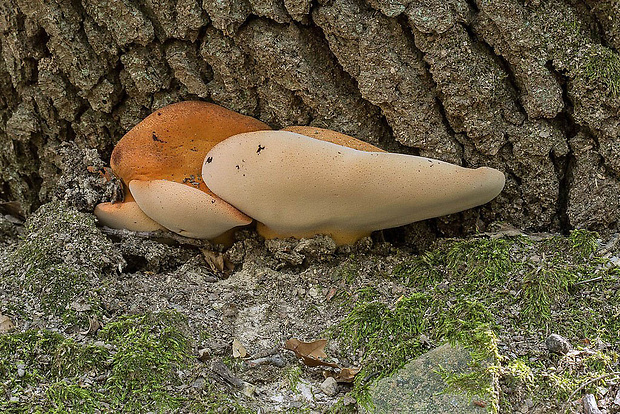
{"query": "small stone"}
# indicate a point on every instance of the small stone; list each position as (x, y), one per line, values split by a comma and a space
(617, 399)
(204, 354)
(558, 344)
(348, 400)
(199, 383)
(249, 389)
(589, 405)
(329, 386)
(21, 372)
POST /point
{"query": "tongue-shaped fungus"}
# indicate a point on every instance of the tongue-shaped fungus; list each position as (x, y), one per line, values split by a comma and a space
(298, 186)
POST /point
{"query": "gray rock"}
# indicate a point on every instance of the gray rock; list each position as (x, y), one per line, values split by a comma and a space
(329, 386)
(557, 344)
(589, 405)
(418, 388)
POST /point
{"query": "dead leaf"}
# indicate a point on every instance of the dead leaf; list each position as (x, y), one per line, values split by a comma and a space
(345, 375)
(331, 294)
(238, 350)
(310, 352)
(93, 326)
(216, 261)
(6, 324)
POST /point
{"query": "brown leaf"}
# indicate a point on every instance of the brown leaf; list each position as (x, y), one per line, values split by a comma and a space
(6, 324)
(331, 294)
(238, 350)
(93, 326)
(216, 261)
(345, 374)
(310, 352)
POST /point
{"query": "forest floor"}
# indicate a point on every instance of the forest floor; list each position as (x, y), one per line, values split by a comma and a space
(97, 323)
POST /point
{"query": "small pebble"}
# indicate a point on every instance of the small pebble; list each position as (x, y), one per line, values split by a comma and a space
(589, 405)
(557, 344)
(329, 386)
(348, 400)
(199, 383)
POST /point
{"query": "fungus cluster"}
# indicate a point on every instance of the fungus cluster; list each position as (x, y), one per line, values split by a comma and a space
(200, 170)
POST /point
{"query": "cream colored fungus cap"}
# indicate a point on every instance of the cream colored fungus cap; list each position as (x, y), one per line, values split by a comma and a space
(125, 215)
(294, 184)
(186, 210)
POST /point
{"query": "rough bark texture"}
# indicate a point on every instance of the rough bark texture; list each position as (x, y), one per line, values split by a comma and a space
(529, 87)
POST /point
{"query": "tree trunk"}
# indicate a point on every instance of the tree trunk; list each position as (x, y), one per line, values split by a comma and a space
(529, 87)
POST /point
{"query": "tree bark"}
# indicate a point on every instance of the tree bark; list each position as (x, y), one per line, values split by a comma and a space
(529, 87)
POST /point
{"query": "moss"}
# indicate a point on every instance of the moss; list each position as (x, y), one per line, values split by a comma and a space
(474, 291)
(293, 376)
(347, 271)
(392, 337)
(136, 371)
(61, 258)
(150, 349)
(603, 66)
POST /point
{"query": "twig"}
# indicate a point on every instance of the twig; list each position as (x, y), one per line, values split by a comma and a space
(585, 384)
(594, 279)
(158, 234)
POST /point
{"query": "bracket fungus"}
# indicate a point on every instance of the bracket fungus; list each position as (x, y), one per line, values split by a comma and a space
(297, 186)
(125, 215)
(159, 162)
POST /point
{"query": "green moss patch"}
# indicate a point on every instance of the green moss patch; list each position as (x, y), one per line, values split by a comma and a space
(134, 367)
(603, 65)
(481, 292)
(61, 258)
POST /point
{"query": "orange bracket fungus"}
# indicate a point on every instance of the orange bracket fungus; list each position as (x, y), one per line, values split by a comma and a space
(200, 170)
(159, 162)
(298, 186)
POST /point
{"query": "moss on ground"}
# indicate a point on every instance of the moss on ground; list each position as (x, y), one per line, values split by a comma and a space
(133, 368)
(476, 291)
(61, 258)
(603, 65)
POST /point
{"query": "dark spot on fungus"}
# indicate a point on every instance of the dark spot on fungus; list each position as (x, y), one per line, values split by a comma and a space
(194, 149)
(209, 160)
(260, 148)
(157, 139)
(236, 166)
(212, 201)
(158, 113)
(117, 156)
